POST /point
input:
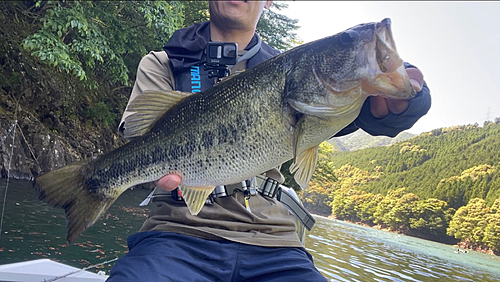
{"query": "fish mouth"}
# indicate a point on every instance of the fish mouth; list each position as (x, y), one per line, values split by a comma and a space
(391, 79)
(387, 57)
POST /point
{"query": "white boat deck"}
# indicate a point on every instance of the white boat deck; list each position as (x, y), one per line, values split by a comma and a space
(45, 270)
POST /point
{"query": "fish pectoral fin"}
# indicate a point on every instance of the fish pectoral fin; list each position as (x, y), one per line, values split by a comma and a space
(304, 165)
(297, 133)
(148, 108)
(312, 110)
(195, 197)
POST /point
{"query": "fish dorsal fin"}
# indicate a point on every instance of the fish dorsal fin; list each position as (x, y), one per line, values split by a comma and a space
(148, 108)
(195, 197)
(304, 165)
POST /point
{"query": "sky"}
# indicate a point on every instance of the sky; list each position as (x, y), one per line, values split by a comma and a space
(456, 45)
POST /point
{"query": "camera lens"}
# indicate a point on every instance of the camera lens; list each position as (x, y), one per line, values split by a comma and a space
(214, 52)
(229, 51)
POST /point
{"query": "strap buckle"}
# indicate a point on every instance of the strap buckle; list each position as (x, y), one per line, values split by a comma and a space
(269, 187)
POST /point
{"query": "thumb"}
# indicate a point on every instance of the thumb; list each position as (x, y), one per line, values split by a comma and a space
(169, 182)
(416, 78)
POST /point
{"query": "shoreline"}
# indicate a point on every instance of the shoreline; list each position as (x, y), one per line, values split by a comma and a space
(459, 246)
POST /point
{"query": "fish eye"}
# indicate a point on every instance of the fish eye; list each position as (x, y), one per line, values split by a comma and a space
(349, 37)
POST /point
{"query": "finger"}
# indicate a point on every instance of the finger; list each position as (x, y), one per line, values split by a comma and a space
(378, 106)
(416, 78)
(169, 182)
(397, 106)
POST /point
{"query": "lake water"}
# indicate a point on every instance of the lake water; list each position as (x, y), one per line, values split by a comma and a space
(341, 251)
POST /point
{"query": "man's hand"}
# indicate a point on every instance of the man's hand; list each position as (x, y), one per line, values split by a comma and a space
(380, 107)
(169, 182)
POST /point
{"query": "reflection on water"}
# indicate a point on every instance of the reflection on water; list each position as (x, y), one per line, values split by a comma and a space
(34, 230)
(341, 251)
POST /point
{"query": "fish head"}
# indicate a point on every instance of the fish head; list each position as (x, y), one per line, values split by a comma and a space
(385, 74)
(376, 63)
(328, 81)
(369, 61)
(334, 75)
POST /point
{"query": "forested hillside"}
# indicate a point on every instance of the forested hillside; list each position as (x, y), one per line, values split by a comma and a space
(452, 164)
(431, 185)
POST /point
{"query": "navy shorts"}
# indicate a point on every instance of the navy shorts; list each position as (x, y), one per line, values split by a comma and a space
(166, 256)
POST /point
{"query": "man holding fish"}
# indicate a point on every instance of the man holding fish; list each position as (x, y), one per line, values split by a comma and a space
(245, 125)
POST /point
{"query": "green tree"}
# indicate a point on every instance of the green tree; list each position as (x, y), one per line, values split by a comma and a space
(469, 222)
(399, 217)
(277, 29)
(344, 202)
(385, 206)
(325, 171)
(492, 232)
(104, 39)
(366, 207)
(195, 12)
(495, 207)
(431, 216)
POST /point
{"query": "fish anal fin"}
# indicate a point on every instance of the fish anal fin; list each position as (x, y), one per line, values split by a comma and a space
(304, 165)
(148, 108)
(195, 197)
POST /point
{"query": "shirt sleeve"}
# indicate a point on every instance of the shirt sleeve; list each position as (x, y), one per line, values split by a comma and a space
(153, 73)
(392, 124)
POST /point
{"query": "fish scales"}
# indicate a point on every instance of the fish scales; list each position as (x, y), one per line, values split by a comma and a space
(198, 151)
(253, 121)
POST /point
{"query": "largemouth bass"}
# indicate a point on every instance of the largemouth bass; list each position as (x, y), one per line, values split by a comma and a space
(252, 122)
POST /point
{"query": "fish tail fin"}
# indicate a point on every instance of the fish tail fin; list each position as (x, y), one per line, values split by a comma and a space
(66, 188)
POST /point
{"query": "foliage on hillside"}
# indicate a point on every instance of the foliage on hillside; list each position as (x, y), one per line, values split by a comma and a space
(398, 211)
(451, 164)
(477, 224)
(69, 64)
